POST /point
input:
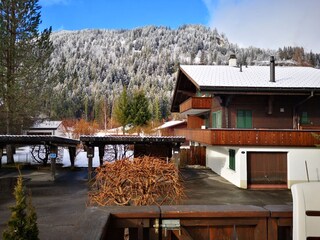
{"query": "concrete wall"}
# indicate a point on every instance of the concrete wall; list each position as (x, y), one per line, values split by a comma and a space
(217, 158)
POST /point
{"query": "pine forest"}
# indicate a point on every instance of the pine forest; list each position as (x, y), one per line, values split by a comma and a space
(91, 67)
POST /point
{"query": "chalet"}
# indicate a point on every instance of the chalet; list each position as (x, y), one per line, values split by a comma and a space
(54, 128)
(257, 123)
(167, 129)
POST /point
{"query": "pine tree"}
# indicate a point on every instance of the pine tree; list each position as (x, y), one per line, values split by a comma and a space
(121, 109)
(23, 55)
(139, 110)
(23, 222)
(23, 52)
(157, 116)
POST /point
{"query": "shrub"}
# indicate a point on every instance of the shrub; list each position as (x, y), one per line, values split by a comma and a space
(23, 221)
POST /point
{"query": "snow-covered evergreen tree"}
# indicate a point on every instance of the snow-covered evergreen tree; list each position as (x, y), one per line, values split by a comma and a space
(95, 64)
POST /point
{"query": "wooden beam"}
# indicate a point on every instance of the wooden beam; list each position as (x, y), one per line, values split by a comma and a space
(183, 234)
(1, 153)
(53, 157)
(187, 93)
(90, 155)
(101, 154)
(72, 155)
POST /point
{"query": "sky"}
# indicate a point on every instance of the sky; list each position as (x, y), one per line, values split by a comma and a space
(267, 24)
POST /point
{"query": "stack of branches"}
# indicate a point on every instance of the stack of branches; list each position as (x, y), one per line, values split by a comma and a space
(141, 181)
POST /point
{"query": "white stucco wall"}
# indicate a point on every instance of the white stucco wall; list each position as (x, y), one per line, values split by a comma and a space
(297, 159)
(217, 158)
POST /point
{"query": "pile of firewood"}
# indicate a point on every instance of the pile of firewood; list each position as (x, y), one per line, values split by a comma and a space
(140, 181)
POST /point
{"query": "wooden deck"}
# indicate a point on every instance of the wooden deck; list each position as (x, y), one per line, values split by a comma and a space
(195, 222)
(251, 137)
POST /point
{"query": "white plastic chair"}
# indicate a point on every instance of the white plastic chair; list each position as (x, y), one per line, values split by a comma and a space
(306, 210)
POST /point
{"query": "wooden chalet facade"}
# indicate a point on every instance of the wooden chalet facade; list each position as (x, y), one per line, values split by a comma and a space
(257, 122)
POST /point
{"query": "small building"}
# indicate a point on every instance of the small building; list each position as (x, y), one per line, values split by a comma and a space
(53, 128)
(257, 123)
(167, 129)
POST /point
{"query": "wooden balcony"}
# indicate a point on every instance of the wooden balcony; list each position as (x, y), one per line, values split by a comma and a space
(196, 105)
(251, 137)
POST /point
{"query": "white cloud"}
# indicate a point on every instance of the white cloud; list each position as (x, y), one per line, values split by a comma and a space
(269, 23)
(53, 2)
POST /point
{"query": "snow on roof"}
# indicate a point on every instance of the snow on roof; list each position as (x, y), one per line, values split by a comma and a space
(252, 76)
(171, 124)
(46, 124)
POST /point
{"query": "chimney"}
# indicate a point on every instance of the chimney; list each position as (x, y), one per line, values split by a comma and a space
(272, 69)
(232, 60)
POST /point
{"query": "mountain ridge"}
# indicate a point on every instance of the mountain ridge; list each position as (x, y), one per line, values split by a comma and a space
(91, 66)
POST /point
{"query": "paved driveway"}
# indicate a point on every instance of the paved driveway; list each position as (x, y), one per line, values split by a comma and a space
(61, 204)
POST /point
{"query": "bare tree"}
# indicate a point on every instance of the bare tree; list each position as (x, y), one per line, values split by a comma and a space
(117, 152)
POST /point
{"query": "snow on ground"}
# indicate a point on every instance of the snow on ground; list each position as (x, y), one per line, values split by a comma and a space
(81, 159)
(23, 155)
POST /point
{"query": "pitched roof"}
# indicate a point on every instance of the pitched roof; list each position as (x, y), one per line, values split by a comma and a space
(252, 77)
(46, 125)
(171, 124)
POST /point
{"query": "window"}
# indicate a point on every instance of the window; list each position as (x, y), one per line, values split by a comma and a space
(244, 119)
(232, 159)
(304, 118)
(217, 119)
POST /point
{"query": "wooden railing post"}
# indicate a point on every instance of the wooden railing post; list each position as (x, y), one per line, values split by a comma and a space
(53, 157)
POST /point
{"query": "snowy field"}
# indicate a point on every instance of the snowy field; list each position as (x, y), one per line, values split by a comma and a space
(23, 155)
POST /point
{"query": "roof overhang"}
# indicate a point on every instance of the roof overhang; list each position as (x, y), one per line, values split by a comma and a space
(129, 139)
(37, 140)
(195, 111)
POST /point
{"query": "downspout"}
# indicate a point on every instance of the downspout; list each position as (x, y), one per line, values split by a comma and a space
(295, 123)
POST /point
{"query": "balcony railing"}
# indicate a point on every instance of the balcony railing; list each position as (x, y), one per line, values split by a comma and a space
(251, 137)
(271, 222)
(196, 105)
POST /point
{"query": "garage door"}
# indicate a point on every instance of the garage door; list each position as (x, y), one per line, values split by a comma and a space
(267, 168)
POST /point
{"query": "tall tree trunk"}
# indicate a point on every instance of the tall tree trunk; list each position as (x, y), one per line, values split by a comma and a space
(10, 151)
(1, 153)
(9, 147)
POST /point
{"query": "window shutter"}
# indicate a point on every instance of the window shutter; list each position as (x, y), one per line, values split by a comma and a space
(232, 159)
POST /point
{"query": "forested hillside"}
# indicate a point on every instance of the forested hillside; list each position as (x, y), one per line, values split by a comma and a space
(92, 66)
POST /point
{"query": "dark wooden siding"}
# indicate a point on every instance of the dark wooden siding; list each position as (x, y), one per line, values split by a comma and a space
(277, 115)
(312, 107)
(170, 130)
(262, 117)
(196, 103)
(154, 150)
(252, 137)
(195, 155)
(195, 122)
